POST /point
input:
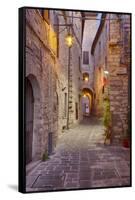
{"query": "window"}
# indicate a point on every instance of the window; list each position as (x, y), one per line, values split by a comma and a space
(106, 32)
(105, 62)
(79, 63)
(65, 105)
(85, 57)
(103, 90)
(76, 111)
(99, 50)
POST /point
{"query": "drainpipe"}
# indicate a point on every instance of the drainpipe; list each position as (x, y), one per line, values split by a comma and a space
(69, 53)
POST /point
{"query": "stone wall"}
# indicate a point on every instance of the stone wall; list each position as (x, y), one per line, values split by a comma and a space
(47, 70)
(41, 65)
(72, 93)
(119, 66)
(100, 64)
(112, 54)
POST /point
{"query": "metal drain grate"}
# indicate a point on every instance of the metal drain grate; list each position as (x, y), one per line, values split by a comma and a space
(48, 182)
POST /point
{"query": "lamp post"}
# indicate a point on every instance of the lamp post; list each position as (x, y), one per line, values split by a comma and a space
(69, 43)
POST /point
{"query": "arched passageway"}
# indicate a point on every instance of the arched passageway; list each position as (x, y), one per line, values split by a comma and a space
(87, 102)
(32, 110)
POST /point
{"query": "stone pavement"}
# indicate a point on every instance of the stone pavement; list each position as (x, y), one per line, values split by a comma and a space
(81, 160)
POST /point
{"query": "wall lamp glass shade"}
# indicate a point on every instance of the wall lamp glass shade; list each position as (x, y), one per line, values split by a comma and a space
(86, 79)
(106, 72)
(69, 40)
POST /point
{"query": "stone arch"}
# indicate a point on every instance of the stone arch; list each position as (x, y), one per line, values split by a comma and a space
(36, 136)
(89, 95)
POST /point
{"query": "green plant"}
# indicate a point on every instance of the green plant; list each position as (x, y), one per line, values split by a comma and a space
(107, 118)
(107, 114)
(45, 156)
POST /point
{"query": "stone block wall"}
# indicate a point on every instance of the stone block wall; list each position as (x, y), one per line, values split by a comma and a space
(62, 72)
(47, 70)
(112, 53)
(119, 79)
(100, 64)
(40, 70)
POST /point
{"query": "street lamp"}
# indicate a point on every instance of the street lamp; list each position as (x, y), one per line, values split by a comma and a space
(69, 43)
(69, 39)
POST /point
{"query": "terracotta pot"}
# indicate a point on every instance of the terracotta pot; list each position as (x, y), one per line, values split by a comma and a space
(126, 142)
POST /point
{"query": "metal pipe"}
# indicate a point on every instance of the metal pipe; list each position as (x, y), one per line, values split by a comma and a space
(69, 53)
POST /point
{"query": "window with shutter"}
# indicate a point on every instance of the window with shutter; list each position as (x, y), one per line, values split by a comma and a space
(85, 57)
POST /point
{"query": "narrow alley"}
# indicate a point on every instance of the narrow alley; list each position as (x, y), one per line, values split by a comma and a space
(81, 160)
(77, 99)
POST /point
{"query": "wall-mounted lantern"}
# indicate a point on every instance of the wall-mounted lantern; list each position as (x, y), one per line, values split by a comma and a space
(106, 72)
(86, 78)
(69, 40)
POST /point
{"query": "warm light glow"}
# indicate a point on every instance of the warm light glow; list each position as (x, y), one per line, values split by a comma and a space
(69, 40)
(86, 78)
(106, 72)
(84, 95)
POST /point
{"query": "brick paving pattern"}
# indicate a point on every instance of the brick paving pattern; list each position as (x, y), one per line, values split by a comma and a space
(81, 160)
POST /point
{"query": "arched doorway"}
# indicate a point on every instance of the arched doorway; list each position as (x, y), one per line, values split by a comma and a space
(33, 117)
(86, 105)
(87, 102)
(29, 120)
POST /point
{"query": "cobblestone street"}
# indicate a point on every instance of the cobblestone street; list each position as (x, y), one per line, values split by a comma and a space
(81, 160)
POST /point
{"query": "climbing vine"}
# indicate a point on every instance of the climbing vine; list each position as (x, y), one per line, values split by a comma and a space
(107, 118)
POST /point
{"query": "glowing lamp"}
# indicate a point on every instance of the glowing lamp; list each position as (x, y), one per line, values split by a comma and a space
(86, 78)
(69, 40)
(106, 72)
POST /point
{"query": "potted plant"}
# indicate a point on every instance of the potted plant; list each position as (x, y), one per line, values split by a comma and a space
(126, 139)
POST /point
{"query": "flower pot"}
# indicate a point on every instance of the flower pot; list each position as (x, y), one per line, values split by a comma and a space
(126, 143)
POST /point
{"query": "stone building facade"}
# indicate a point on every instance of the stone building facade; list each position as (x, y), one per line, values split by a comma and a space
(47, 93)
(69, 73)
(111, 53)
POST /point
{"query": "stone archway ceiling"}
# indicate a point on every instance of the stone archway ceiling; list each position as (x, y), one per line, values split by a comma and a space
(87, 90)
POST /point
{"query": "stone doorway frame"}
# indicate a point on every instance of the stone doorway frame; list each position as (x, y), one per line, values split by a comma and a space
(36, 143)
